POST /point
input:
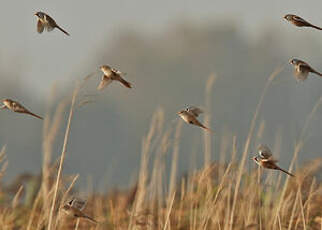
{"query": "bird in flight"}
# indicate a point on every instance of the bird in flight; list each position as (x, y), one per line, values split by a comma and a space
(300, 22)
(16, 107)
(265, 159)
(302, 69)
(190, 115)
(110, 75)
(47, 22)
(74, 207)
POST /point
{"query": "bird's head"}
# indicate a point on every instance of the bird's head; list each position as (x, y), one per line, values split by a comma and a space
(104, 67)
(7, 102)
(181, 112)
(255, 158)
(293, 61)
(39, 14)
(288, 17)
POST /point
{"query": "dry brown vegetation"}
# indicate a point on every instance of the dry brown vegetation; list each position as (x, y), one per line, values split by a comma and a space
(228, 194)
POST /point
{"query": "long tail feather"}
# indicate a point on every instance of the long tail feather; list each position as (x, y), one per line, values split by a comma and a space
(318, 73)
(290, 174)
(90, 218)
(35, 115)
(125, 83)
(316, 27)
(62, 30)
(204, 127)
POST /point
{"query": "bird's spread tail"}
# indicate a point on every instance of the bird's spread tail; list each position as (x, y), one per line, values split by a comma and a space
(318, 73)
(290, 174)
(90, 219)
(35, 115)
(125, 83)
(62, 30)
(209, 130)
(206, 128)
(316, 27)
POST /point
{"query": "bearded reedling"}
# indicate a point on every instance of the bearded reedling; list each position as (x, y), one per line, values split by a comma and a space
(47, 22)
(110, 75)
(190, 115)
(16, 107)
(74, 207)
(302, 69)
(265, 159)
(300, 22)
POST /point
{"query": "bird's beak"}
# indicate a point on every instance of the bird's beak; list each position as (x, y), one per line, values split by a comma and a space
(285, 17)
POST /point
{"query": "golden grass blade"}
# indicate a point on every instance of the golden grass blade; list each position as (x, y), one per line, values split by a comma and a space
(62, 158)
(250, 133)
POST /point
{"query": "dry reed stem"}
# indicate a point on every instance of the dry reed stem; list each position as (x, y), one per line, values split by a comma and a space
(169, 209)
(15, 199)
(141, 186)
(298, 148)
(3, 160)
(49, 136)
(250, 133)
(174, 161)
(301, 208)
(65, 195)
(62, 158)
(33, 210)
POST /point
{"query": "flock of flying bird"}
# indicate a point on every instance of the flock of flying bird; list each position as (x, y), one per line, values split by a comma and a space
(264, 156)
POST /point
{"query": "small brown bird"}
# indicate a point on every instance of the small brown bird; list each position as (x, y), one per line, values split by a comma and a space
(300, 22)
(190, 115)
(302, 69)
(74, 209)
(45, 21)
(265, 159)
(16, 107)
(110, 75)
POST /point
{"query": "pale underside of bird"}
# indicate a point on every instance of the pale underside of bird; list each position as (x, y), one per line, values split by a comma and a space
(300, 22)
(302, 69)
(266, 160)
(74, 207)
(190, 114)
(16, 107)
(48, 23)
(111, 75)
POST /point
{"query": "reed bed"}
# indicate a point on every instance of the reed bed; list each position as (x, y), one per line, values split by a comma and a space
(225, 194)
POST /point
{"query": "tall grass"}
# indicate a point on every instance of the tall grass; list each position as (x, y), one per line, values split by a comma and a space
(225, 194)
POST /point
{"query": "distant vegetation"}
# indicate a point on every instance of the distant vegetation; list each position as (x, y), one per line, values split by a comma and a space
(230, 193)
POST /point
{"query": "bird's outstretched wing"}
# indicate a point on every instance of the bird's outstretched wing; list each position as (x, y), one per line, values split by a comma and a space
(194, 110)
(104, 82)
(117, 71)
(40, 26)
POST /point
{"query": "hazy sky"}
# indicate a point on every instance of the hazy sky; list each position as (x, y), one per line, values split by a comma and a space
(91, 23)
